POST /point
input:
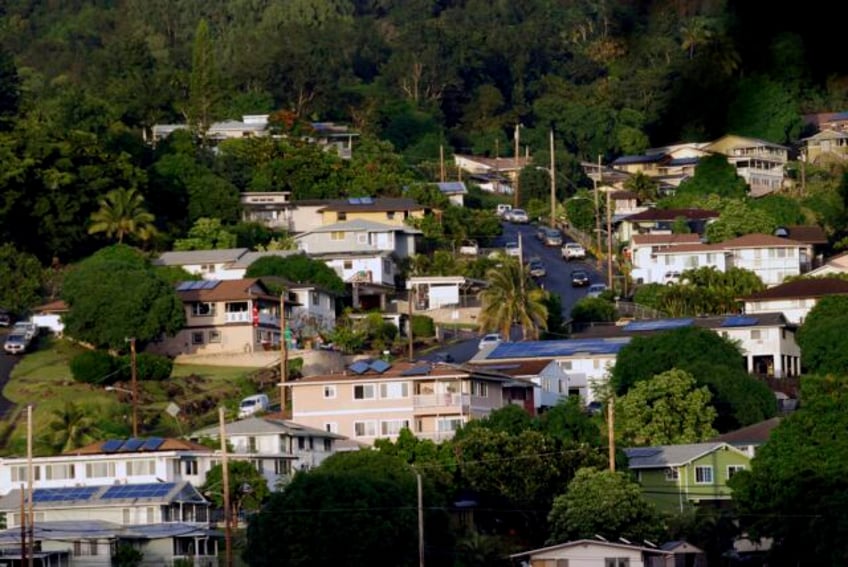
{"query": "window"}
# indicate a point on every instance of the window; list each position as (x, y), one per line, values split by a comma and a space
(282, 466)
(251, 444)
(315, 298)
(150, 515)
(479, 389)
(58, 472)
(328, 445)
(672, 474)
(365, 428)
(329, 392)
(190, 467)
(126, 516)
(331, 427)
(337, 235)
(364, 392)
(616, 562)
(197, 338)
(200, 309)
(755, 335)
(347, 264)
(733, 469)
(704, 475)
(448, 424)
(19, 473)
(390, 215)
(141, 468)
(301, 443)
(387, 265)
(99, 470)
(214, 336)
(565, 364)
(394, 390)
(341, 215)
(393, 426)
(549, 563)
(362, 239)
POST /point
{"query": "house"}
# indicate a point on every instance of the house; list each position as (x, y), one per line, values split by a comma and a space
(228, 316)
(837, 121)
(826, 146)
(383, 211)
(372, 275)
(445, 299)
(376, 399)
(795, 298)
(166, 521)
(766, 340)
(586, 362)
(49, 316)
(665, 264)
(214, 264)
(661, 221)
(549, 379)
(603, 553)
(834, 265)
(811, 235)
(772, 258)
(759, 162)
(305, 214)
(624, 203)
(642, 247)
(509, 167)
(646, 164)
(332, 136)
(270, 208)
(359, 235)
(680, 477)
(750, 438)
(277, 446)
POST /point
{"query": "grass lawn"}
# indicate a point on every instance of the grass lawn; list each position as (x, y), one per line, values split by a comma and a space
(43, 378)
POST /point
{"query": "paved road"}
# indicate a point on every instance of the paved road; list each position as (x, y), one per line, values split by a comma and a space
(7, 362)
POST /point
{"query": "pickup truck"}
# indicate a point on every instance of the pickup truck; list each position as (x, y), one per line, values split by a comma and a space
(573, 251)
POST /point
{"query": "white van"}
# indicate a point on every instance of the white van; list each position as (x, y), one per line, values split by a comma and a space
(253, 404)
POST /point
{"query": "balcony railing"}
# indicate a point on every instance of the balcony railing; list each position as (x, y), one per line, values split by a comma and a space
(246, 317)
(440, 400)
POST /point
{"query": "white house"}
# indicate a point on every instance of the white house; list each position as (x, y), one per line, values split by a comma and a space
(359, 236)
(772, 258)
(455, 191)
(835, 265)
(676, 259)
(270, 208)
(551, 384)
(597, 553)
(795, 298)
(759, 162)
(662, 221)
(209, 264)
(642, 247)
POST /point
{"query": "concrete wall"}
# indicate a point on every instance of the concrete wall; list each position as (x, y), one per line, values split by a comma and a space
(314, 361)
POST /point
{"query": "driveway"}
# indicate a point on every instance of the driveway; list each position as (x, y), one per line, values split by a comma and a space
(7, 362)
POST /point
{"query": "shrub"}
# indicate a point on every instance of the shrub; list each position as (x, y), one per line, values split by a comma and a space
(149, 367)
(95, 367)
(423, 326)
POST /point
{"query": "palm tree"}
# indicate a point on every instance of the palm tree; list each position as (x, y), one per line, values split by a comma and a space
(694, 34)
(511, 297)
(122, 214)
(71, 427)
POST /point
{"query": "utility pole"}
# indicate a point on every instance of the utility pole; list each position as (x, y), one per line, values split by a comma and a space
(803, 173)
(420, 520)
(517, 195)
(609, 241)
(442, 163)
(30, 479)
(23, 526)
(523, 286)
(553, 182)
(134, 380)
(225, 477)
(410, 298)
(611, 420)
(284, 351)
(597, 208)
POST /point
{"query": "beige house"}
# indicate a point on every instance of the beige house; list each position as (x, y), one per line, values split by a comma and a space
(375, 399)
(229, 316)
(391, 211)
(603, 553)
(758, 162)
(825, 146)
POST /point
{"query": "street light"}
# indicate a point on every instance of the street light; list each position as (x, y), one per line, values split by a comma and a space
(133, 394)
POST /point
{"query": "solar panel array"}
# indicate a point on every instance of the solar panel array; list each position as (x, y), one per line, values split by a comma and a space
(361, 201)
(360, 367)
(197, 284)
(112, 445)
(131, 491)
(739, 321)
(363, 366)
(132, 445)
(658, 325)
(380, 366)
(642, 452)
(416, 371)
(556, 349)
(63, 494)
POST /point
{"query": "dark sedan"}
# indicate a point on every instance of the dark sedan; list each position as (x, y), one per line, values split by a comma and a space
(579, 278)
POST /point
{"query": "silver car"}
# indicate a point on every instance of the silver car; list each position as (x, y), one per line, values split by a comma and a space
(16, 343)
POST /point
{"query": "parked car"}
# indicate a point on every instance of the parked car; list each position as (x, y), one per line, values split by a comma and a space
(16, 343)
(537, 269)
(26, 328)
(5, 319)
(512, 249)
(573, 251)
(503, 209)
(488, 340)
(518, 216)
(594, 408)
(253, 404)
(553, 237)
(596, 289)
(671, 278)
(469, 248)
(579, 278)
(540, 232)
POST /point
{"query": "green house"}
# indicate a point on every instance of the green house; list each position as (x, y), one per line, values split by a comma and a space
(678, 477)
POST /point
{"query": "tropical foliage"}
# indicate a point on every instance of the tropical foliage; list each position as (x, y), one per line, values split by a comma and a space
(122, 215)
(512, 298)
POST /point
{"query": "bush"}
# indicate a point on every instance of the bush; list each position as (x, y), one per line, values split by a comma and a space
(95, 367)
(423, 326)
(148, 367)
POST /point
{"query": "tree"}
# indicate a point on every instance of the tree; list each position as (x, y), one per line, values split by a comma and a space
(604, 503)
(71, 427)
(204, 85)
(511, 419)
(822, 337)
(207, 234)
(116, 294)
(644, 186)
(591, 310)
(568, 421)
(713, 175)
(795, 492)
(512, 298)
(248, 489)
(738, 218)
(668, 409)
(580, 211)
(764, 108)
(10, 89)
(21, 279)
(122, 214)
(297, 268)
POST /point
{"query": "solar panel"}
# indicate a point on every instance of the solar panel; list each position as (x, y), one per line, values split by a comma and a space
(739, 321)
(131, 491)
(557, 348)
(198, 284)
(63, 494)
(353, 201)
(642, 452)
(133, 444)
(112, 445)
(360, 367)
(380, 366)
(416, 371)
(210, 284)
(184, 286)
(152, 444)
(657, 325)
(366, 201)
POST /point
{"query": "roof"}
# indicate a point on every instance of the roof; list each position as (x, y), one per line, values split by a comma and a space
(802, 288)
(826, 135)
(669, 455)
(623, 195)
(755, 434)
(648, 158)
(106, 495)
(745, 141)
(643, 326)
(79, 529)
(679, 162)
(224, 290)
(311, 202)
(500, 163)
(808, 234)
(186, 257)
(368, 371)
(452, 187)
(359, 225)
(761, 241)
(594, 542)
(58, 306)
(555, 349)
(517, 368)
(670, 239)
(250, 257)
(672, 214)
(265, 425)
(138, 445)
(370, 204)
(683, 248)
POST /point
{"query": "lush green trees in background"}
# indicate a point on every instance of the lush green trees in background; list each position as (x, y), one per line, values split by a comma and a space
(822, 337)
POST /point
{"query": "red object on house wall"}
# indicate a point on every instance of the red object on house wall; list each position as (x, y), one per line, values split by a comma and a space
(255, 316)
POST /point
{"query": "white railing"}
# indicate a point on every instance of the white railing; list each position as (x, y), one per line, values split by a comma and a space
(247, 317)
(440, 400)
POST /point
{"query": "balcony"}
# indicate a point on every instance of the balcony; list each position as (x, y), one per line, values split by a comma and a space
(441, 401)
(246, 317)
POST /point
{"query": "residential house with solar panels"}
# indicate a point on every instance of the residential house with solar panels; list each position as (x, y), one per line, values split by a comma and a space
(84, 525)
(677, 478)
(766, 340)
(223, 264)
(550, 383)
(586, 362)
(230, 316)
(386, 210)
(375, 399)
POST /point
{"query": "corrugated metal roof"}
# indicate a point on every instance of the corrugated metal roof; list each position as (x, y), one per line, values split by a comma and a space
(187, 257)
(668, 455)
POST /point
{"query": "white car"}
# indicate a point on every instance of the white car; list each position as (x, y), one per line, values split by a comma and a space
(512, 249)
(469, 248)
(16, 343)
(573, 251)
(26, 328)
(518, 216)
(672, 278)
(490, 339)
(596, 289)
